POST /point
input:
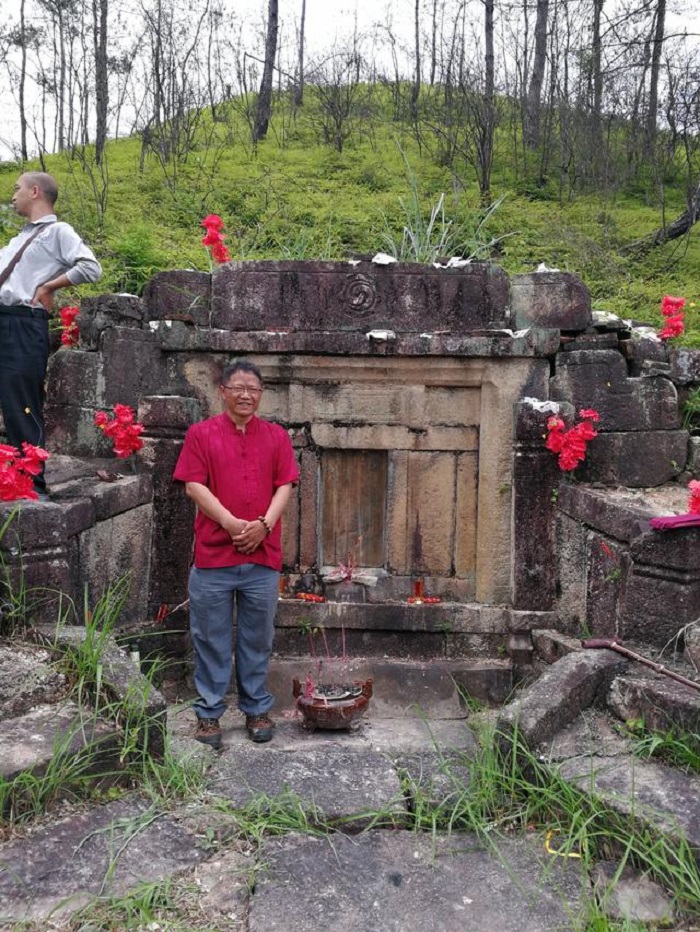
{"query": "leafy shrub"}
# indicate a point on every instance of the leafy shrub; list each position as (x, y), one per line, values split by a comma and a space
(138, 259)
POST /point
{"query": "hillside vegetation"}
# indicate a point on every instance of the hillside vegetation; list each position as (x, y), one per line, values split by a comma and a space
(297, 195)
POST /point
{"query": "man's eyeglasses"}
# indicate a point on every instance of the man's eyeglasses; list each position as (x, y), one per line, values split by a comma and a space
(242, 390)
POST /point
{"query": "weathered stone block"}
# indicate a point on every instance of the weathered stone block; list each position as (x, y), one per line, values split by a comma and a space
(36, 583)
(168, 413)
(551, 645)
(34, 557)
(71, 431)
(571, 554)
(657, 603)
(639, 460)
(173, 522)
(550, 299)
(530, 421)
(291, 523)
(337, 296)
(107, 311)
(677, 549)
(75, 379)
(466, 518)
(113, 498)
(589, 341)
(179, 295)
(622, 519)
(639, 351)
(309, 473)
(563, 691)
(27, 678)
(608, 566)
(118, 547)
(692, 645)
(658, 701)
(79, 514)
(535, 480)
(133, 367)
(599, 380)
(693, 461)
(685, 365)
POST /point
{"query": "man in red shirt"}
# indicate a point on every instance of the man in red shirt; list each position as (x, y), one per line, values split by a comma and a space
(240, 471)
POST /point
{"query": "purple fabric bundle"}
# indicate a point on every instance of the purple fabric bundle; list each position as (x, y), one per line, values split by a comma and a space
(668, 522)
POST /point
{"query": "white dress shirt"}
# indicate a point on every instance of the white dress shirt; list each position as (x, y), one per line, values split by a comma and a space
(56, 251)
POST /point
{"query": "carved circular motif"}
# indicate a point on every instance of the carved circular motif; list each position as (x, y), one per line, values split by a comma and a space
(359, 293)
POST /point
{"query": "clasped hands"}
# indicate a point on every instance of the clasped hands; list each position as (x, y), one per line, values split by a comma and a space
(248, 536)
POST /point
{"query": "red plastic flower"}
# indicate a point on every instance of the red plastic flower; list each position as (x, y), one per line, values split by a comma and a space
(673, 327)
(33, 459)
(570, 445)
(121, 428)
(671, 305)
(16, 471)
(694, 499)
(70, 335)
(214, 239)
(212, 222)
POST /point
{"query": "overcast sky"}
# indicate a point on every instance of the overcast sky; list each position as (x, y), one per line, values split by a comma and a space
(326, 20)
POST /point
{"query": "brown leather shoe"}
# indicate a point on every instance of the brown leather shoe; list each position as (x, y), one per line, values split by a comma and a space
(209, 732)
(260, 727)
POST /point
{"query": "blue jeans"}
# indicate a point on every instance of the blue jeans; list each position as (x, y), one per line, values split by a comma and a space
(254, 590)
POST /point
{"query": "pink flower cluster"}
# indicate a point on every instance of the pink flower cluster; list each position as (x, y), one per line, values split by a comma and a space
(71, 333)
(122, 429)
(570, 445)
(694, 498)
(17, 471)
(672, 309)
(214, 238)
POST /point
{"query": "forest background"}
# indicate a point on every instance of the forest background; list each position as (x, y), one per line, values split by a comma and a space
(563, 132)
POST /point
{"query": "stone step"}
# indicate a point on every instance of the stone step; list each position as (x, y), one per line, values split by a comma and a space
(595, 758)
(567, 718)
(436, 689)
(28, 677)
(400, 629)
(31, 742)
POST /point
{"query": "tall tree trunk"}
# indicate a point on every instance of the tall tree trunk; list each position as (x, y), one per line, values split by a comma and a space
(262, 116)
(433, 44)
(534, 91)
(657, 47)
(486, 153)
(299, 90)
(100, 9)
(415, 90)
(22, 80)
(596, 55)
(61, 89)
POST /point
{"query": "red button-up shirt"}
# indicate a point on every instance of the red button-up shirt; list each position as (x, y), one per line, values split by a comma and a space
(243, 469)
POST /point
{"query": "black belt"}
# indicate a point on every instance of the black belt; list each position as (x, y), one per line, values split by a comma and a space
(23, 310)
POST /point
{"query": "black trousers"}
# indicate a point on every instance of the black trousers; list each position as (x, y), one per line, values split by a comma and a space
(24, 355)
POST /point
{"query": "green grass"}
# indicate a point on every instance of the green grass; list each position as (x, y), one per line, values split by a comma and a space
(510, 789)
(674, 747)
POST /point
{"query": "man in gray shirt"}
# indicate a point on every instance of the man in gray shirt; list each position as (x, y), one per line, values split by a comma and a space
(54, 258)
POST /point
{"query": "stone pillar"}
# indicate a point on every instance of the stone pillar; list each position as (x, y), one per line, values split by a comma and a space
(34, 571)
(166, 419)
(536, 478)
(500, 389)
